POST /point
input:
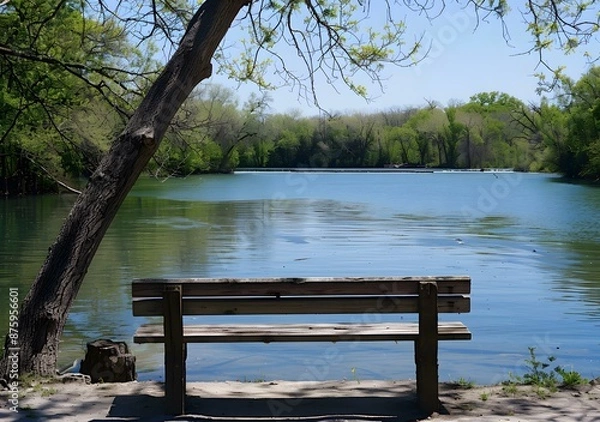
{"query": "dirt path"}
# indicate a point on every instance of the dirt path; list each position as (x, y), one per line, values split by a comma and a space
(330, 401)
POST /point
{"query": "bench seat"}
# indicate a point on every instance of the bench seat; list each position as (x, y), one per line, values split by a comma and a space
(216, 333)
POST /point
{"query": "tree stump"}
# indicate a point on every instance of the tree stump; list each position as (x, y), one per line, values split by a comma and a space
(108, 361)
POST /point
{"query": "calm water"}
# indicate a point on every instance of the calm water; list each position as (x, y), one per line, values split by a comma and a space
(530, 243)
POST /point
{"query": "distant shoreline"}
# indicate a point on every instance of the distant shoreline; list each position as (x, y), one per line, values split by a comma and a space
(365, 170)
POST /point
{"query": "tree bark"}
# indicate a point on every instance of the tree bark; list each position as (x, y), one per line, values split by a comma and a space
(44, 310)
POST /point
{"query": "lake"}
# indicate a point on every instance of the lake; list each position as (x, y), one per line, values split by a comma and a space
(530, 242)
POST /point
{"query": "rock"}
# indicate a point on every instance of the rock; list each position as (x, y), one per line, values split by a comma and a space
(108, 361)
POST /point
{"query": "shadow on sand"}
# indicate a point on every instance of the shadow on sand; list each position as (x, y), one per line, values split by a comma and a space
(227, 401)
(388, 409)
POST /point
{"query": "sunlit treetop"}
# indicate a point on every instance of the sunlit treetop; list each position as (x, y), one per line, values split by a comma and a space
(302, 43)
(570, 26)
(491, 101)
(345, 40)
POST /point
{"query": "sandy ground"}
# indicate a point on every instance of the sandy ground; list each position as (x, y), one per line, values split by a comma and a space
(331, 401)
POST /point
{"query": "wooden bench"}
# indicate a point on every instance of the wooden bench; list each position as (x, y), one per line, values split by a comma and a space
(425, 296)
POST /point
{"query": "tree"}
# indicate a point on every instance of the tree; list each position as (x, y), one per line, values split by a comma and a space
(453, 132)
(547, 124)
(332, 38)
(429, 124)
(55, 62)
(355, 141)
(401, 146)
(581, 155)
(472, 148)
(493, 123)
(206, 132)
(251, 128)
(44, 309)
(288, 133)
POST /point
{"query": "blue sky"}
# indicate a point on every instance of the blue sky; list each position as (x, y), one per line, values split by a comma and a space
(465, 59)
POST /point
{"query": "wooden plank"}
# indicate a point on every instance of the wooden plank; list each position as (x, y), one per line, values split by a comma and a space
(312, 305)
(271, 333)
(426, 349)
(300, 286)
(174, 350)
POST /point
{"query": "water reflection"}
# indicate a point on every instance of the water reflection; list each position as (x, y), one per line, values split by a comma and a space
(532, 250)
(580, 280)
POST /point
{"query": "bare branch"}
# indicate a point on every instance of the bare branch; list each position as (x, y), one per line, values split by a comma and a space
(51, 176)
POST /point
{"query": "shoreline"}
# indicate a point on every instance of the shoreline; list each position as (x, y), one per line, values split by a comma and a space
(419, 170)
(323, 401)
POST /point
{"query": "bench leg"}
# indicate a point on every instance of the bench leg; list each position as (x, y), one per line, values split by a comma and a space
(427, 381)
(175, 351)
(426, 349)
(175, 380)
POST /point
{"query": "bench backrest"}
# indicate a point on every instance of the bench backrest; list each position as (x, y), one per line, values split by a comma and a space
(312, 295)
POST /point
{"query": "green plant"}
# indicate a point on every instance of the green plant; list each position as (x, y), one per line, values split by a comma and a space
(34, 383)
(543, 392)
(29, 380)
(509, 388)
(484, 396)
(47, 392)
(537, 374)
(253, 380)
(464, 383)
(542, 377)
(570, 378)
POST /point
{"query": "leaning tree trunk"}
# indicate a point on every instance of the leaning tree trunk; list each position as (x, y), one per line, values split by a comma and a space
(44, 310)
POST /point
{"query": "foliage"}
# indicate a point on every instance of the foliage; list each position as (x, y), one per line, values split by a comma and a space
(510, 387)
(464, 383)
(568, 26)
(537, 373)
(581, 156)
(486, 132)
(540, 375)
(334, 40)
(69, 77)
(569, 129)
(570, 378)
(63, 90)
(213, 133)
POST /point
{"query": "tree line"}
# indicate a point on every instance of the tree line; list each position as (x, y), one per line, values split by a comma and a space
(70, 80)
(213, 133)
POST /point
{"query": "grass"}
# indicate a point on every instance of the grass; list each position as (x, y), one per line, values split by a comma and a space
(570, 378)
(464, 383)
(38, 385)
(49, 391)
(510, 388)
(253, 380)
